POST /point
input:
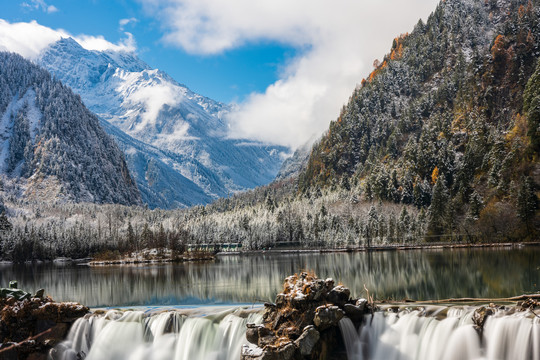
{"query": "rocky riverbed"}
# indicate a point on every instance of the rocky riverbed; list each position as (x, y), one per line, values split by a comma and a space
(30, 327)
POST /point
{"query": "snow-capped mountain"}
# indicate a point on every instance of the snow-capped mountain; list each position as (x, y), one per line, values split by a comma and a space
(51, 146)
(175, 141)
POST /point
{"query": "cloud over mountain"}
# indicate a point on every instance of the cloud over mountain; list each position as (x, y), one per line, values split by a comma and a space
(338, 41)
(30, 38)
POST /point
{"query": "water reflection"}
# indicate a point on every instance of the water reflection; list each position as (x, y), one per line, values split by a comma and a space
(256, 278)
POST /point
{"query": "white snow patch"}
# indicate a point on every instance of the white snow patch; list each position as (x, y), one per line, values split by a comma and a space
(130, 151)
(249, 143)
(6, 128)
(6, 124)
(33, 114)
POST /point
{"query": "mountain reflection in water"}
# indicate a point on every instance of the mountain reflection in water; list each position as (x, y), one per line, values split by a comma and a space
(258, 277)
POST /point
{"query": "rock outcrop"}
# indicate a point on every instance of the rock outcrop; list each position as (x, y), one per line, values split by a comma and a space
(30, 327)
(303, 323)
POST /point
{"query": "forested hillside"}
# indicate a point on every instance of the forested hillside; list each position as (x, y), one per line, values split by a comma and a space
(447, 122)
(51, 147)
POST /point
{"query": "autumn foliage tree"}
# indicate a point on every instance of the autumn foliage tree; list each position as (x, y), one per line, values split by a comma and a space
(500, 56)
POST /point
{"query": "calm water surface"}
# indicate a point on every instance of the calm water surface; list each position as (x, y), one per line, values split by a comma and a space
(420, 275)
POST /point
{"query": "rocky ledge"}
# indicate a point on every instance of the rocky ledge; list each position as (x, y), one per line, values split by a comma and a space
(31, 325)
(303, 323)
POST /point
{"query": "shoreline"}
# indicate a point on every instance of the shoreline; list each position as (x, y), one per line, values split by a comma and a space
(212, 256)
(389, 247)
(136, 262)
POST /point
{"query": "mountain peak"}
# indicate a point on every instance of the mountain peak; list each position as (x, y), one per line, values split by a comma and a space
(184, 133)
(67, 42)
(67, 52)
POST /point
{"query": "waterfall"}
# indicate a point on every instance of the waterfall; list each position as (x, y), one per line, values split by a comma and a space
(445, 333)
(135, 335)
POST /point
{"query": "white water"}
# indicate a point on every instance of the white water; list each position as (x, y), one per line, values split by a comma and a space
(443, 333)
(169, 335)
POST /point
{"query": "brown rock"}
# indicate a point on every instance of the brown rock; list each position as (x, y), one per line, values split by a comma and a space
(55, 334)
(291, 332)
(267, 340)
(354, 312)
(327, 316)
(34, 326)
(252, 333)
(284, 352)
(307, 341)
(362, 304)
(281, 300)
(302, 304)
(329, 282)
(317, 290)
(339, 295)
(480, 315)
(251, 353)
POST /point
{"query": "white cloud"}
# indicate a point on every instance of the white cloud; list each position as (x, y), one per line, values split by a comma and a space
(154, 98)
(39, 5)
(123, 22)
(29, 39)
(342, 38)
(99, 43)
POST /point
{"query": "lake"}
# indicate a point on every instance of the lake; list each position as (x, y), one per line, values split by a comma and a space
(254, 278)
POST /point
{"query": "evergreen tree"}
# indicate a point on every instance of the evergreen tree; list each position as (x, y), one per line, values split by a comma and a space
(437, 209)
(131, 239)
(531, 105)
(5, 225)
(475, 205)
(527, 201)
(147, 236)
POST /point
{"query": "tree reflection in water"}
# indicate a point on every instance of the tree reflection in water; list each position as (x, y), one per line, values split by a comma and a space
(252, 278)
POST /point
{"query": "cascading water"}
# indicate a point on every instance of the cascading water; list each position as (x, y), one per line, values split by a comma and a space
(169, 335)
(445, 333)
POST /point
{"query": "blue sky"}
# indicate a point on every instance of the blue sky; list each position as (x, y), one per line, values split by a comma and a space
(287, 66)
(227, 77)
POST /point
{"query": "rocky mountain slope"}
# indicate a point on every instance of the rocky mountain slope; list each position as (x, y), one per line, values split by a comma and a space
(293, 165)
(52, 146)
(177, 141)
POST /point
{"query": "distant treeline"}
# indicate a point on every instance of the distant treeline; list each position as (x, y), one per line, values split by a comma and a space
(264, 218)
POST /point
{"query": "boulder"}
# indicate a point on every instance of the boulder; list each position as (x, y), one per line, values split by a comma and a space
(339, 295)
(329, 284)
(362, 304)
(354, 312)
(267, 340)
(307, 341)
(252, 333)
(327, 316)
(34, 325)
(480, 315)
(283, 352)
(250, 352)
(260, 335)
